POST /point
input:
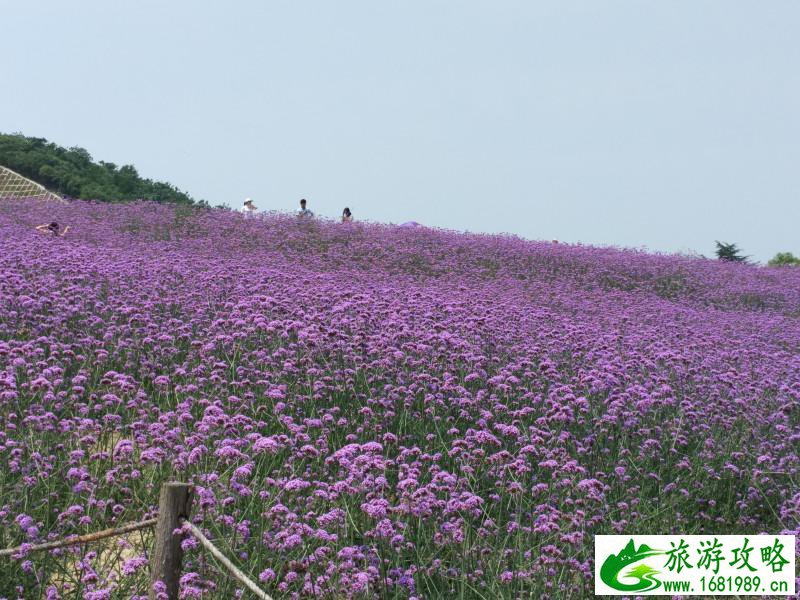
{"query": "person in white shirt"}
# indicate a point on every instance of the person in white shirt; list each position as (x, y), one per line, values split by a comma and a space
(303, 211)
(249, 209)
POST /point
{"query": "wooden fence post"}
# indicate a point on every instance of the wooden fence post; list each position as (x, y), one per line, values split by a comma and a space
(174, 503)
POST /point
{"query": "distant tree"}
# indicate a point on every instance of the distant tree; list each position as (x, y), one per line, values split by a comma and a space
(784, 259)
(72, 172)
(126, 180)
(730, 253)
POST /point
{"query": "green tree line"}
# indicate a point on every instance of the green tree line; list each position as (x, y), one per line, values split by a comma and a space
(71, 172)
(784, 259)
(732, 253)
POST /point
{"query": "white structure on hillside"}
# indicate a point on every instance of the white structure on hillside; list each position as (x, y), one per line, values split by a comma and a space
(14, 185)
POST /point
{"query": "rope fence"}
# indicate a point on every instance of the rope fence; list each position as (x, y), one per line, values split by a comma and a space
(232, 569)
(174, 507)
(81, 539)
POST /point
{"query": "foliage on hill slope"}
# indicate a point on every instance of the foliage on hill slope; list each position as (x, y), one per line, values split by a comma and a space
(72, 172)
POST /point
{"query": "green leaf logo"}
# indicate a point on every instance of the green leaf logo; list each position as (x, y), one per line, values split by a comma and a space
(615, 564)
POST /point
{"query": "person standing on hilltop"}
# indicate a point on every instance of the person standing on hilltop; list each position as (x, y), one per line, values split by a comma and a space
(249, 209)
(303, 211)
(347, 216)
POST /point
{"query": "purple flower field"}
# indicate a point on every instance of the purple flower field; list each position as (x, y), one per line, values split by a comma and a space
(371, 411)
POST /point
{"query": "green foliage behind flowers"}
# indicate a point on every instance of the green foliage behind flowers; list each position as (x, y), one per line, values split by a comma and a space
(730, 252)
(72, 172)
(784, 259)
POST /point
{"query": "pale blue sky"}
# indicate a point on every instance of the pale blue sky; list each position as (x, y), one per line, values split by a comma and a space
(662, 124)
